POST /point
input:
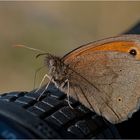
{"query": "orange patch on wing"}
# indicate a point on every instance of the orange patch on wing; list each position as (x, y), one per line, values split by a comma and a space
(121, 46)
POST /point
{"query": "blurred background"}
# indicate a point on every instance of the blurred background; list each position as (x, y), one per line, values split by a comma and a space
(57, 28)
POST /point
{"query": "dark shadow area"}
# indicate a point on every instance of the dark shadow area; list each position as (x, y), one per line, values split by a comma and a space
(134, 30)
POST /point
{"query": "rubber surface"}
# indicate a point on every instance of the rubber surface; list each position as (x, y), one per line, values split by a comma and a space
(56, 118)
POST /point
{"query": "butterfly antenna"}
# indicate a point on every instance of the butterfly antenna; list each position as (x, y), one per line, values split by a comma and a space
(30, 48)
(41, 54)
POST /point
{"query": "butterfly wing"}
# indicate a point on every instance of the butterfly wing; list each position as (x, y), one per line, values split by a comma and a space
(106, 80)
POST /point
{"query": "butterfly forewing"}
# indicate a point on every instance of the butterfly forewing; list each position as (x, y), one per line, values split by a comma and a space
(106, 81)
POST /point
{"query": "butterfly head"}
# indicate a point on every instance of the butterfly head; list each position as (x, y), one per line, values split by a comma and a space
(57, 69)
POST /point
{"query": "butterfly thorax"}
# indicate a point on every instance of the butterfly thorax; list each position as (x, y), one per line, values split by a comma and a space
(57, 69)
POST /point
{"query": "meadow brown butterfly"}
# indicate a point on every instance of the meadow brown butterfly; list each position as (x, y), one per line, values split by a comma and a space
(103, 75)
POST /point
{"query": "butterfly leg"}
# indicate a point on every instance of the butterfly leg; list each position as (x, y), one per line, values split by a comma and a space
(68, 96)
(68, 91)
(43, 91)
(45, 76)
(36, 75)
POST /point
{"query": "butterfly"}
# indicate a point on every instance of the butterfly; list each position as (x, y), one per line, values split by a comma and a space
(103, 75)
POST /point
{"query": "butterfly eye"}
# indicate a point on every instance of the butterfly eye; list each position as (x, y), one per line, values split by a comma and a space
(133, 52)
(119, 99)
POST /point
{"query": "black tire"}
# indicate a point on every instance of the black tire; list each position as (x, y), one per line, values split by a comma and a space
(51, 117)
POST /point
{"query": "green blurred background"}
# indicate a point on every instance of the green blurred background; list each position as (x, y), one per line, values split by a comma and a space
(56, 27)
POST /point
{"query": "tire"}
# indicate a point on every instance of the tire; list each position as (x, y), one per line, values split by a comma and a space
(51, 117)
